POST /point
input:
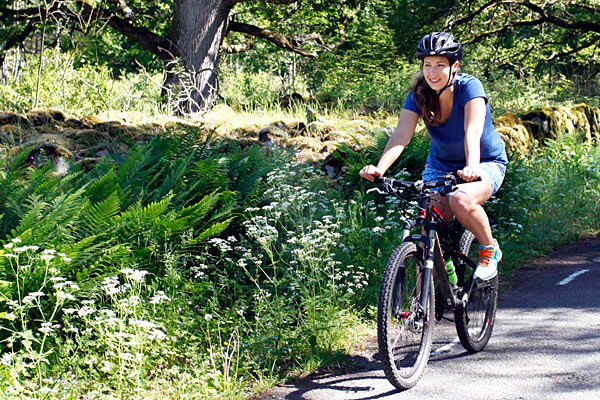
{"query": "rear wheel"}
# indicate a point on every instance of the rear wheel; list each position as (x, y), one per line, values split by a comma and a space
(405, 331)
(475, 320)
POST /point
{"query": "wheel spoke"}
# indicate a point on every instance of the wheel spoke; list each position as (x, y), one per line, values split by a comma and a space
(404, 344)
(474, 321)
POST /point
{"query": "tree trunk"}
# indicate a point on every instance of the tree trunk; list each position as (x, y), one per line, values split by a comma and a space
(197, 32)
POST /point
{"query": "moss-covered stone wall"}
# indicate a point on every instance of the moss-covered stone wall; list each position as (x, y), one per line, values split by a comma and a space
(522, 134)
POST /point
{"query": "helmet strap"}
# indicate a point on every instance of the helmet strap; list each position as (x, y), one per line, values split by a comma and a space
(448, 84)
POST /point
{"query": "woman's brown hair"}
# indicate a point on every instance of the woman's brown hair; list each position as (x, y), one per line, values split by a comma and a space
(426, 98)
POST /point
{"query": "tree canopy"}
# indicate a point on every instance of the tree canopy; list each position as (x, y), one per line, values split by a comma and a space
(180, 35)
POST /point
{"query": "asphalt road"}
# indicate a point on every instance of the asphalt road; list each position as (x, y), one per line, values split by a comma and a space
(545, 345)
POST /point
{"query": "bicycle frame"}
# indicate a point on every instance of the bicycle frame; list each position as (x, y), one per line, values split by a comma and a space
(431, 220)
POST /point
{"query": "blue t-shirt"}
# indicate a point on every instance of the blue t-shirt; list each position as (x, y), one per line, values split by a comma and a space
(447, 149)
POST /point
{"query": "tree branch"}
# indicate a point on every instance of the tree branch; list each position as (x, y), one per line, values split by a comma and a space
(273, 37)
(539, 10)
(237, 48)
(471, 16)
(556, 55)
(127, 11)
(503, 29)
(147, 39)
(26, 12)
(583, 25)
(18, 38)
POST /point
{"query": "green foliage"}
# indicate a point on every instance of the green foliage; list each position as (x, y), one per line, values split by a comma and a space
(516, 38)
(536, 209)
(248, 264)
(413, 19)
(79, 90)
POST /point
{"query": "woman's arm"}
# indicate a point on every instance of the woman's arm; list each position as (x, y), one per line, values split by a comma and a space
(475, 111)
(407, 123)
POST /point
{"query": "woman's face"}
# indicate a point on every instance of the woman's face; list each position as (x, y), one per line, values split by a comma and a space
(436, 70)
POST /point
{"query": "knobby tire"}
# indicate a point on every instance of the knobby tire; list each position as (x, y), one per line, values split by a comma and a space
(475, 322)
(404, 348)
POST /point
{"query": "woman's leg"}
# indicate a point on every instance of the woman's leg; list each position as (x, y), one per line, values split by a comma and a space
(466, 204)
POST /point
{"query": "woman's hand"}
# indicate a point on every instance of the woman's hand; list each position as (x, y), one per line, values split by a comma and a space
(370, 172)
(469, 173)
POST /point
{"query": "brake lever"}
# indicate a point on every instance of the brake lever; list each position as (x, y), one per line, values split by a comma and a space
(376, 190)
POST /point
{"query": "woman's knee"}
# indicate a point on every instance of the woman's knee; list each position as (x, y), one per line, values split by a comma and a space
(461, 202)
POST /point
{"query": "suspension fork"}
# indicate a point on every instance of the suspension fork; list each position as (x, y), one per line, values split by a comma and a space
(428, 270)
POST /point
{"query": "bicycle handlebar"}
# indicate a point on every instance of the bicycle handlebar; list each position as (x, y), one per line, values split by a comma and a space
(449, 180)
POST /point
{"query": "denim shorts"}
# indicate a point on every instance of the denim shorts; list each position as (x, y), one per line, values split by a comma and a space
(493, 171)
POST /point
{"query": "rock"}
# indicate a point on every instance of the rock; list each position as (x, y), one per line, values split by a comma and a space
(358, 125)
(45, 117)
(517, 138)
(333, 165)
(219, 114)
(54, 141)
(57, 115)
(550, 122)
(317, 128)
(11, 130)
(73, 123)
(326, 150)
(85, 138)
(111, 127)
(271, 134)
(9, 118)
(89, 121)
(58, 154)
(51, 150)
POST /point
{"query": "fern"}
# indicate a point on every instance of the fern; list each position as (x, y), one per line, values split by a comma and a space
(201, 208)
(138, 216)
(97, 216)
(103, 186)
(211, 231)
(174, 177)
(35, 208)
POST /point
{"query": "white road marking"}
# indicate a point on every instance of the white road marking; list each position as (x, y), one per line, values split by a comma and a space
(446, 348)
(569, 278)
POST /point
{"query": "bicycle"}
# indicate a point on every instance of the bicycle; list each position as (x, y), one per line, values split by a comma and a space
(407, 299)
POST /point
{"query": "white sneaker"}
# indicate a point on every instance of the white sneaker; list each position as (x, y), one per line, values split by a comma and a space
(489, 257)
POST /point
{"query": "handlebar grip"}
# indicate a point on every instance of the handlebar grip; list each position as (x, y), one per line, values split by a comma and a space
(460, 180)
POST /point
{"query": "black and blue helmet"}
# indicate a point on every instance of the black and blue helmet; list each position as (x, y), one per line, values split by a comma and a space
(439, 44)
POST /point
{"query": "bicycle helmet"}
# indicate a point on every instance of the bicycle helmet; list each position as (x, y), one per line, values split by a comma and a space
(439, 44)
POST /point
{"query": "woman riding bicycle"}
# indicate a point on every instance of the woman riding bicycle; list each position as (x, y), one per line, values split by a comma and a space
(455, 110)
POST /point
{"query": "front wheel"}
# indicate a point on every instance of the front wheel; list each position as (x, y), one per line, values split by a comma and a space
(404, 329)
(475, 320)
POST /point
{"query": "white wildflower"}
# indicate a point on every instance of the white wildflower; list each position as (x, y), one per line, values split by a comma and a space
(159, 297)
(157, 334)
(64, 295)
(134, 274)
(16, 240)
(85, 311)
(142, 324)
